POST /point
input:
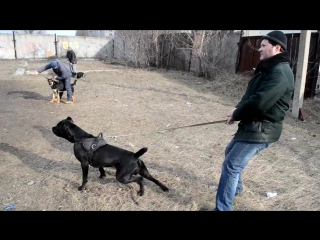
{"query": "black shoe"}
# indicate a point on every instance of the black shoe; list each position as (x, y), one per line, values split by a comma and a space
(204, 209)
(239, 194)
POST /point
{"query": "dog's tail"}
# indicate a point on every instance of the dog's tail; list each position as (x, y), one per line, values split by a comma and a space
(140, 153)
(74, 83)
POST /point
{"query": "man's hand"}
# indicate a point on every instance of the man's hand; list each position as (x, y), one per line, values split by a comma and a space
(35, 73)
(229, 119)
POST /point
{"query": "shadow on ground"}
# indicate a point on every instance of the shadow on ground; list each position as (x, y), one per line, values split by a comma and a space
(35, 162)
(55, 142)
(27, 95)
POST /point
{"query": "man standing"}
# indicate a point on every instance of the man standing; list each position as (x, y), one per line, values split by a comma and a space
(63, 74)
(72, 60)
(261, 112)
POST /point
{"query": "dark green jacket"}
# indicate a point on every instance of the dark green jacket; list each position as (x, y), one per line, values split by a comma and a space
(264, 105)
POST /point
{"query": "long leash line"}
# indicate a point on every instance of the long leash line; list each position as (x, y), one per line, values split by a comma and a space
(168, 129)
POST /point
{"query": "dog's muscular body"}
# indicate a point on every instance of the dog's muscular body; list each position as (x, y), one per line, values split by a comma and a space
(78, 75)
(127, 163)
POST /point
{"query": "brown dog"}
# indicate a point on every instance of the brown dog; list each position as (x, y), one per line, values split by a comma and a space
(58, 88)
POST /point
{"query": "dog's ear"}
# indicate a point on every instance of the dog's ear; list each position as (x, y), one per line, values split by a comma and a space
(69, 118)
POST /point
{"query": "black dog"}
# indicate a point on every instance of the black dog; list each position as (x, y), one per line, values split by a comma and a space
(78, 75)
(58, 88)
(94, 151)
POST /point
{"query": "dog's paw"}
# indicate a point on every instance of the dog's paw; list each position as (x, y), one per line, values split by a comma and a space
(80, 188)
(165, 189)
(141, 193)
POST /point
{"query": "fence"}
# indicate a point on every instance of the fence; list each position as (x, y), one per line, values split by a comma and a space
(37, 46)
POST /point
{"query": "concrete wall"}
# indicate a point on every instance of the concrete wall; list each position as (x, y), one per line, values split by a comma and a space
(86, 47)
(43, 46)
(6, 46)
(34, 46)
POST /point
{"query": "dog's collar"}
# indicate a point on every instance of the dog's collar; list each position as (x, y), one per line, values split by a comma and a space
(71, 138)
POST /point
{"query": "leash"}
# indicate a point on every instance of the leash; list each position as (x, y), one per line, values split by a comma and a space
(169, 129)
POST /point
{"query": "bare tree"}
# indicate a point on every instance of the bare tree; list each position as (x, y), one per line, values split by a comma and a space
(205, 52)
(82, 33)
(33, 31)
(94, 33)
(211, 50)
(140, 47)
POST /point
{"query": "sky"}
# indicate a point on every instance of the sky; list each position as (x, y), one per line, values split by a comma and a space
(58, 32)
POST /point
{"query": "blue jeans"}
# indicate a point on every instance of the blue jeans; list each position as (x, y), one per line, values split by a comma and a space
(67, 85)
(237, 156)
(73, 67)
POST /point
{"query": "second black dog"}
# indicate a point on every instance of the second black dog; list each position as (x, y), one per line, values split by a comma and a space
(78, 75)
(95, 152)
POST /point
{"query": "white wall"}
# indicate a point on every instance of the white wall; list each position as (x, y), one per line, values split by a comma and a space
(42, 46)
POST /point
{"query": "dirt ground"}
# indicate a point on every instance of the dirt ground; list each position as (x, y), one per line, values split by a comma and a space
(39, 172)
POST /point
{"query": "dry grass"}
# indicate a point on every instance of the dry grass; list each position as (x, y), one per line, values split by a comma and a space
(125, 101)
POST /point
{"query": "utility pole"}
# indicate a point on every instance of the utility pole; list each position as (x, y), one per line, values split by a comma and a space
(55, 44)
(301, 74)
(14, 45)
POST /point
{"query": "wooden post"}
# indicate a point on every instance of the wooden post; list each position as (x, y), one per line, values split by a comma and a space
(238, 53)
(301, 73)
